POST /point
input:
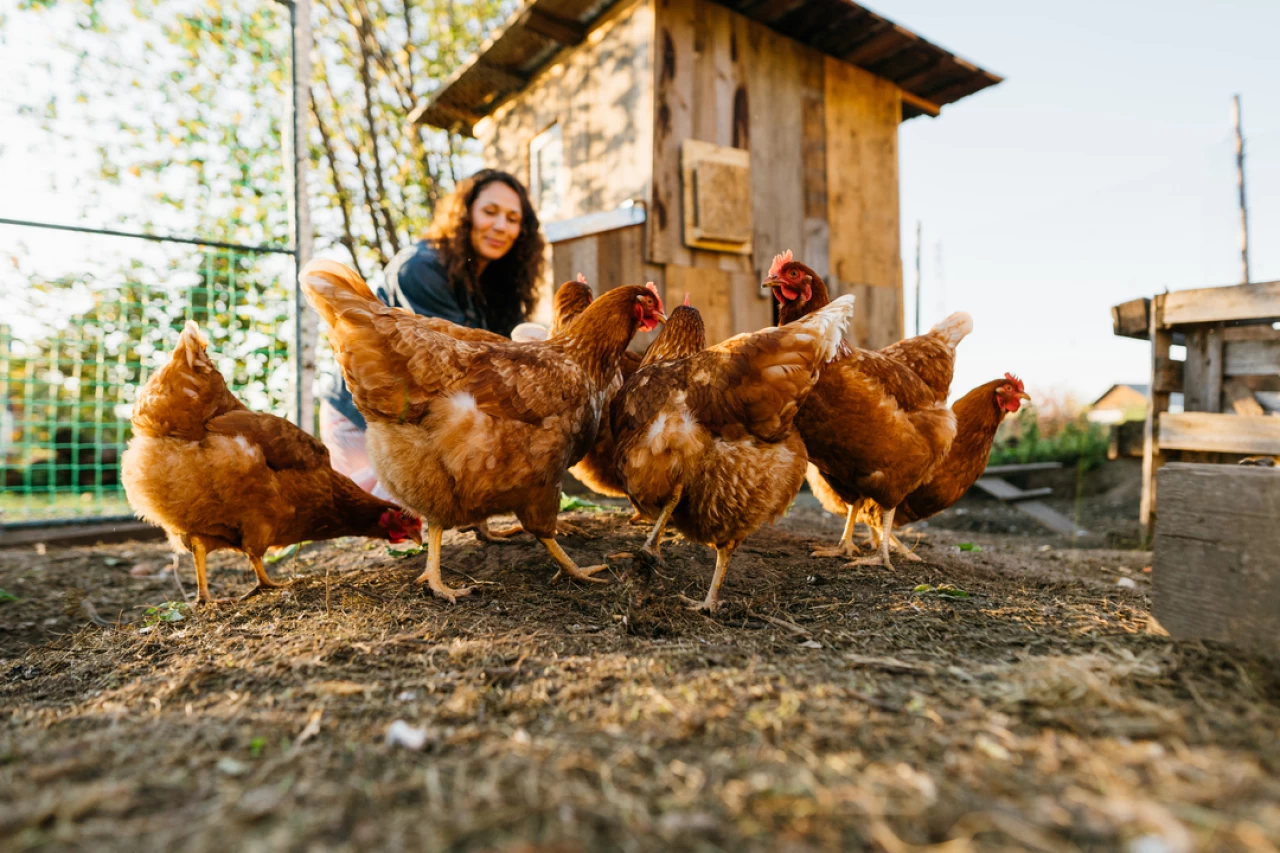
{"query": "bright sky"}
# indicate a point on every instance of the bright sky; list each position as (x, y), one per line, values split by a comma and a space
(1102, 169)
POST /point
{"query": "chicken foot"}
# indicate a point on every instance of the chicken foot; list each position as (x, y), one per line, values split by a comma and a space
(431, 575)
(873, 539)
(264, 580)
(881, 558)
(651, 551)
(569, 567)
(724, 553)
(846, 549)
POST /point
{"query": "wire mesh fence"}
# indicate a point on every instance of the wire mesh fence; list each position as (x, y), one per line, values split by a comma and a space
(75, 348)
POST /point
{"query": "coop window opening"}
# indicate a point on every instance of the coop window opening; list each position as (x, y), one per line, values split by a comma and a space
(547, 173)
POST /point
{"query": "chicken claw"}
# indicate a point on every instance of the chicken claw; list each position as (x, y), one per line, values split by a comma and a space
(882, 556)
(846, 548)
(431, 575)
(569, 567)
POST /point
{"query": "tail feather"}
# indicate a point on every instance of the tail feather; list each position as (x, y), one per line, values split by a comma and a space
(954, 328)
(191, 344)
(328, 285)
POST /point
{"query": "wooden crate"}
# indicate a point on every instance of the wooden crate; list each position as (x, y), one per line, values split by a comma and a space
(1229, 380)
(1216, 568)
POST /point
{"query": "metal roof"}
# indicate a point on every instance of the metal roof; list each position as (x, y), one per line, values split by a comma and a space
(929, 76)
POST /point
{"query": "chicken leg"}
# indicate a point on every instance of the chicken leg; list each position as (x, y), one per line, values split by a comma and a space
(569, 567)
(653, 545)
(264, 580)
(724, 553)
(846, 549)
(881, 558)
(431, 576)
(198, 554)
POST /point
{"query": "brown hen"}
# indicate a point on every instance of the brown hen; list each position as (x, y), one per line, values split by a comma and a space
(215, 475)
(876, 424)
(705, 437)
(461, 431)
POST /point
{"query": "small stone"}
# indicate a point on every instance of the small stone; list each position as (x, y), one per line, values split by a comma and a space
(401, 733)
(1127, 583)
(232, 767)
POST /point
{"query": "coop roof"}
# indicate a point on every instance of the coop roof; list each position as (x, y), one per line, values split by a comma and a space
(929, 76)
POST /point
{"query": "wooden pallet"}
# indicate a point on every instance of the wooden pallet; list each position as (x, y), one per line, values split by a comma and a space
(993, 483)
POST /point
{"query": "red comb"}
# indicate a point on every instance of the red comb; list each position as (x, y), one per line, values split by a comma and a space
(582, 279)
(686, 299)
(653, 288)
(1009, 377)
(779, 261)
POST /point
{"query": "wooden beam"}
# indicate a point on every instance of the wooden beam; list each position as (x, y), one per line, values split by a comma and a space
(1240, 395)
(1132, 319)
(1216, 567)
(1215, 304)
(1003, 490)
(927, 107)
(1167, 375)
(506, 77)
(1212, 432)
(554, 27)
(1152, 458)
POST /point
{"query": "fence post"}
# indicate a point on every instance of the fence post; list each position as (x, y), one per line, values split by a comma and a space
(304, 321)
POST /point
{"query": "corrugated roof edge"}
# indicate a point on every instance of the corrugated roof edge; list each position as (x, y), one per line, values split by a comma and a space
(474, 91)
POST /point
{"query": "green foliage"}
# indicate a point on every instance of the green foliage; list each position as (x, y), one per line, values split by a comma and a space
(568, 502)
(943, 590)
(6, 597)
(1078, 442)
(170, 611)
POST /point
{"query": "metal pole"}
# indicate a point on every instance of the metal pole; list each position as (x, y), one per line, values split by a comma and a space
(917, 276)
(1244, 210)
(304, 322)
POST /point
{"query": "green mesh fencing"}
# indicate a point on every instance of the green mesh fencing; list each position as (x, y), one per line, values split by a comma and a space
(75, 350)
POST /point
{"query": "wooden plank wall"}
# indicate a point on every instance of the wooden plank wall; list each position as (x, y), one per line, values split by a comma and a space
(1216, 567)
(601, 94)
(862, 115)
(607, 259)
(721, 78)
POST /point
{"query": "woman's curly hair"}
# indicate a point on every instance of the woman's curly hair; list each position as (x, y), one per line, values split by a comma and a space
(508, 290)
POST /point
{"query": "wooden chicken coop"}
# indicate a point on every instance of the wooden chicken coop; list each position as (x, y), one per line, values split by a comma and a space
(1216, 566)
(688, 141)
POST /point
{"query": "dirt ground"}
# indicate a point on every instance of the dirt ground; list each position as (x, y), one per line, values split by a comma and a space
(1019, 702)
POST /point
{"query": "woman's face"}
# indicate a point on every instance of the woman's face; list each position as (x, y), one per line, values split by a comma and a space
(495, 221)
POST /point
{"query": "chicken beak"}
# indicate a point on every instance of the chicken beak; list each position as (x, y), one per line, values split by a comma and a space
(1023, 395)
(659, 316)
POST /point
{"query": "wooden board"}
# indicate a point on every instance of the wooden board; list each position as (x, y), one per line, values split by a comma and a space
(716, 185)
(1215, 304)
(1239, 396)
(1251, 358)
(1212, 432)
(608, 259)
(861, 115)
(1132, 319)
(724, 79)
(710, 291)
(600, 92)
(1152, 457)
(1202, 370)
(1003, 490)
(1216, 567)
